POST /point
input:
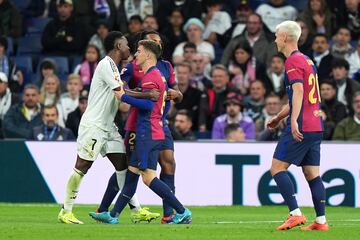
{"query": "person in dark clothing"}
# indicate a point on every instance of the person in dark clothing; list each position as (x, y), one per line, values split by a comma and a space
(64, 35)
(20, 119)
(321, 56)
(50, 130)
(334, 111)
(191, 96)
(74, 117)
(182, 126)
(10, 20)
(211, 103)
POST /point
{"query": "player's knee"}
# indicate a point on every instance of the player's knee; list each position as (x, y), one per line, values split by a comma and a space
(310, 174)
(83, 165)
(147, 179)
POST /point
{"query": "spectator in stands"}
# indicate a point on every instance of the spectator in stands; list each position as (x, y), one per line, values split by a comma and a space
(349, 16)
(199, 78)
(10, 20)
(47, 68)
(191, 95)
(194, 29)
(276, 11)
(73, 119)
(211, 104)
(276, 74)
(50, 130)
(64, 35)
(135, 26)
(97, 39)
(150, 23)
(345, 85)
(182, 126)
(255, 35)
(318, 17)
(242, 14)
(189, 8)
(305, 39)
(254, 103)
(69, 100)
(321, 56)
(189, 52)
(20, 119)
(333, 110)
(129, 8)
(272, 107)
(7, 66)
(50, 91)
(217, 22)
(272, 134)
(7, 99)
(342, 46)
(233, 115)
(349, 128)
(174, 31)
(354, 61)
(234, 133)
(87, 68)
(245, 68)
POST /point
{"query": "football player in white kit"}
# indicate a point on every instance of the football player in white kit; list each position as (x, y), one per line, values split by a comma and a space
(97, 131)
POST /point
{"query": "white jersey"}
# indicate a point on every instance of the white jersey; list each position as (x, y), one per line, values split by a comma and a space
(102, 103)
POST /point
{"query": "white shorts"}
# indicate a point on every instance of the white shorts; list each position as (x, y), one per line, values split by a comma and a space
(92, 140)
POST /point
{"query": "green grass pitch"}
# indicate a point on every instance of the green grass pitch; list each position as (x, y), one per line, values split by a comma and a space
(39, 221)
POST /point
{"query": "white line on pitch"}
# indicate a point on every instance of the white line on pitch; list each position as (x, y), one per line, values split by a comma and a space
(255, 222)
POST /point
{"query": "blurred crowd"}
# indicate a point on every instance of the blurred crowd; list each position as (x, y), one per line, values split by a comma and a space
(225, 60)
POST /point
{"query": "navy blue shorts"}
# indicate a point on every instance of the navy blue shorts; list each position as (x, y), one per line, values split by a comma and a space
(168, 142)
(146, 154)
(304, 153)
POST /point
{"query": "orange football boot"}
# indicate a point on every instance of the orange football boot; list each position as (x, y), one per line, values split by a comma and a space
(316, 226)
(292, 221)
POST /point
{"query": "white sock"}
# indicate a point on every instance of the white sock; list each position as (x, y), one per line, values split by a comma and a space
(295, 212)
(120, 176)
(320, 219)
(72, 189)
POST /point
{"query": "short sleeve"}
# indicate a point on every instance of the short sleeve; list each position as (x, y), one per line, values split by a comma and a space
(111, 74)
(294, 72)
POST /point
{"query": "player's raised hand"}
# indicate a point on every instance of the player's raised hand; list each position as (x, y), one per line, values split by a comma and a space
(297, 135)
(154, 94)
(273, 123)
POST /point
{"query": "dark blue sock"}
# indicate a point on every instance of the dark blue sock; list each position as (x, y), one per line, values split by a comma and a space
(318, 195)
(163, 191)
(286, 187)
(168, 180)
(110, 193)
(126, 194)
